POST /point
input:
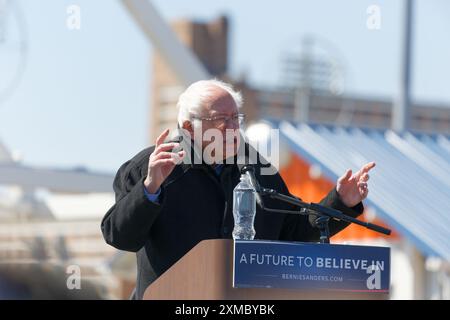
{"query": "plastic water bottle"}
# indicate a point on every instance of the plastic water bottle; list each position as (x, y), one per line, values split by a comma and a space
(244, 209)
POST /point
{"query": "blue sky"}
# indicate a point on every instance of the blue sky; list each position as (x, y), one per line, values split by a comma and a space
(84, 97)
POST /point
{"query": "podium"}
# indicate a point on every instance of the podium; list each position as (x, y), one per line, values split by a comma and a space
(206, 273)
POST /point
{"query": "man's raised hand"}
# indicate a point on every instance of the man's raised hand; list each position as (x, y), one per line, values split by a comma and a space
(161, 162)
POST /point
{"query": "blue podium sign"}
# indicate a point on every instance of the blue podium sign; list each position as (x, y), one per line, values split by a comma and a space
(296, 265)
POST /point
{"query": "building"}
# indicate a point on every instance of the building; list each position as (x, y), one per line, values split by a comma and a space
(210, 43)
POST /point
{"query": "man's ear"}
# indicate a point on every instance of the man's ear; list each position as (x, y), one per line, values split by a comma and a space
(187, 125)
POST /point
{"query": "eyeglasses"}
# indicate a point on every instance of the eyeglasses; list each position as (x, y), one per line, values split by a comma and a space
(221, 121)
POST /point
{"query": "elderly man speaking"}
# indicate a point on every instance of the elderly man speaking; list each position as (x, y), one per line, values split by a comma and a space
(165, 206)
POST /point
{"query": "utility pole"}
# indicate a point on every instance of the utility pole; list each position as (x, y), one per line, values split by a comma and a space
(402, 107)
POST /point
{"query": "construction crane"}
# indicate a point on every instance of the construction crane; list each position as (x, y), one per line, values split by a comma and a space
(183, 61)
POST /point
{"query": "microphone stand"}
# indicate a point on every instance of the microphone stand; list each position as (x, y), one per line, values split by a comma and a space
(324, 213)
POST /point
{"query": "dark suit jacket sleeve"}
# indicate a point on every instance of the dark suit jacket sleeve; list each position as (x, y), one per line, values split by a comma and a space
(126, 226)
(301, 228)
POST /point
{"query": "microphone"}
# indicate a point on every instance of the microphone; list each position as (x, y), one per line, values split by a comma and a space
(250, 171)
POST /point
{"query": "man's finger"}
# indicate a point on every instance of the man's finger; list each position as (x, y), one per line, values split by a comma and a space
(171, 158)
(365, 177)
(346, 176)
(367, 167)
(162, 137)
(362, 184)
(181, 155)
(165, 147)
(166, 161)
(165, 155)
(365, 192)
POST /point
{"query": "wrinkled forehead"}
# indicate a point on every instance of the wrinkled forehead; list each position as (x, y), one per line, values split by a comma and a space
(219, 102)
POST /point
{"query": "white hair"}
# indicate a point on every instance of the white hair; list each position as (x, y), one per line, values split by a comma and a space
(195, 96)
